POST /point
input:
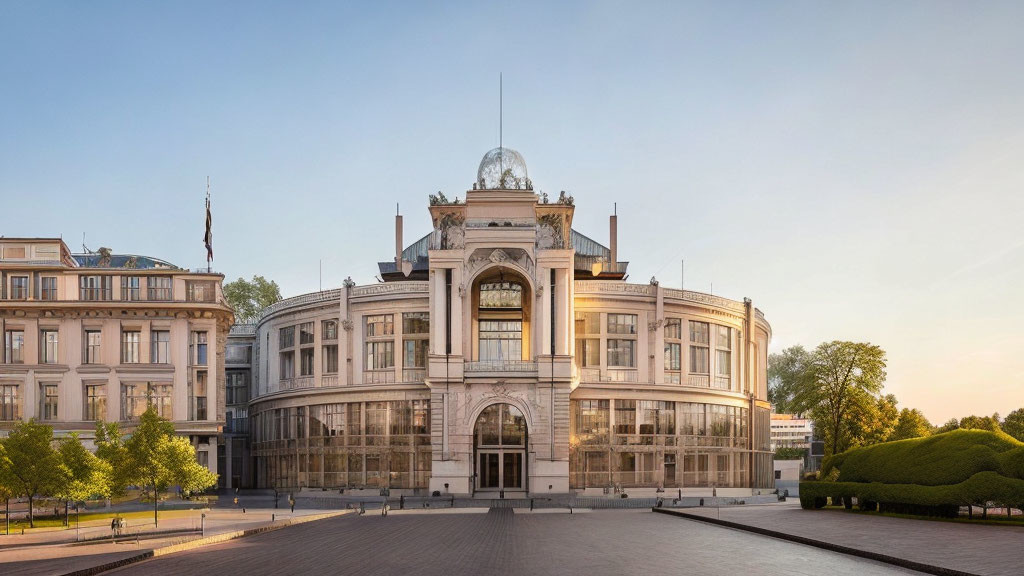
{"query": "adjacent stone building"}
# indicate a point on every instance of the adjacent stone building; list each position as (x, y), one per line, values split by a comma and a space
(101, 336)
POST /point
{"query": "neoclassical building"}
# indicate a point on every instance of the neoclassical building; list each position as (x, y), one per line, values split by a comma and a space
(100, 336)
(505, 351)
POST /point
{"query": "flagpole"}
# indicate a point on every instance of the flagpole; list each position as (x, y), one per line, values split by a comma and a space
(209, 228)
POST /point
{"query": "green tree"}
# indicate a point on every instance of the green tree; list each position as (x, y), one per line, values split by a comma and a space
(250, 298)
(31, 466)
(990, 423)
(88, 475)
(911, 424)
(951, 424)
(873, 421)
(110, 448)
(1014, 424)
(788, 372)
(843, 381)
(157, 459)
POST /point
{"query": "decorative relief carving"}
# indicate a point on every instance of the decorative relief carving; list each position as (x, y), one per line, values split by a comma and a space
(551, 232)
(511, 256)
(346, 324)
(653, 325)
(450, 231)
(391, 288)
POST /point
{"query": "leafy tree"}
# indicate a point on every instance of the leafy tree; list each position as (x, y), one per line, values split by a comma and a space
(156, 459)
(110, 448)
(87, 475)
(873, 421)
(1014, 424)
(843, 378)
(31, 467)
(911, 424)
(951, 424)
(788, 372)
(250, 298)
(990, 423)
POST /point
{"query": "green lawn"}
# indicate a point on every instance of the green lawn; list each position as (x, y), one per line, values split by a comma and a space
(50, 522)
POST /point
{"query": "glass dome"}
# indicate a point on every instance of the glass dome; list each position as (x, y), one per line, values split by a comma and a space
(503, 169)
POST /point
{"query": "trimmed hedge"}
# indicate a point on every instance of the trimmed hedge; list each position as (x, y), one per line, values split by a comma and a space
(944, 459)
(983, 488)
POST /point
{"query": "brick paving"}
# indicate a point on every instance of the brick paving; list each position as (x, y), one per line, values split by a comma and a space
(22, 556)
(505, 542)
(975, 548)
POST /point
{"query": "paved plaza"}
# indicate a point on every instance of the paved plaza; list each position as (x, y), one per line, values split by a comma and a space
(29, 555)
(505, 542)
(974, 548)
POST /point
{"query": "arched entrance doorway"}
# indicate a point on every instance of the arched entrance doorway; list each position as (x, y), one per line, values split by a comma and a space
(499, 448)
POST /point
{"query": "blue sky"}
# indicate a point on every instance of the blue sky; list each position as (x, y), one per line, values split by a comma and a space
(856, 169)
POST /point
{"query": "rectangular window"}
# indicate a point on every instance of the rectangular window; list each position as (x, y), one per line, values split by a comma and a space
(130, 346)
(380, 325)
(306, 333)
(673, 360)
(130, 288)
(588, 352)
(380, 355)
(48, 348)
(95, 288)
(160, 347)
(416, 345)
(237, 354)
(621, 353)
(330, 353)
(10, 404)
(199, 290)
(135, 398)
(237, 387)
(622, 323)
(673, 329)
(699, 360)
(199, 396)
(95, 401)
(48, 401)
(19, 287)
(287, 365)
(699, 332)
(724, 339)
(14, 346)
(330, 329)
(286, 338)
(592, 420)
(501, 340)
(625, 416)
(91, 353)
(306, 362)
(198, 349)
(416, 351)
(48, 288)
(416, 323)
(588, 323)
(723, 363)
(699, 350)
(158, 288)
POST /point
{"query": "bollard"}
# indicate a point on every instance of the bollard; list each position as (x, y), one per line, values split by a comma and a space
(202, 524)
(531, 504)
(273, 518)
(401, 502)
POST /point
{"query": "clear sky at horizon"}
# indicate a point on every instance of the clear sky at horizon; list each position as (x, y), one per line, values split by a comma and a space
(854, 168)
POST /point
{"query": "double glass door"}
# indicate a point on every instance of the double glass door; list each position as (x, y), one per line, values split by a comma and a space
(500, 470)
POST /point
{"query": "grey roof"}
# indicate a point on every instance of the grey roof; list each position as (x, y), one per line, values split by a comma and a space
(588, 252)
